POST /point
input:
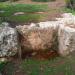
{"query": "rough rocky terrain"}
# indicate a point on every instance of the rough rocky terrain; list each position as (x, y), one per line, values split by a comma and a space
(8, 40)
(57, 35)
(32, 34)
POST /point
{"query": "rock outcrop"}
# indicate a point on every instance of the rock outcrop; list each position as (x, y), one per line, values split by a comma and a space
(66, 35)
(47, 35)
(8, 41)
(51, 35)
(36, 36)
(66, 40)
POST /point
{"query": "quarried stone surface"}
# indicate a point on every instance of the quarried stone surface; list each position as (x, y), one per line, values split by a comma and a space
(47, 35)
(66, 38)
(37, 36)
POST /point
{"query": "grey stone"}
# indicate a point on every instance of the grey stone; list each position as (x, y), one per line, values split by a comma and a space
(8, 40)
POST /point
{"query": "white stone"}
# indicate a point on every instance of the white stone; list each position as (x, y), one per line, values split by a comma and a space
(8, 41)
(19, 13)
(66, 38)
(66, 21)
(47, 24)
(67, 15)
(32, 25)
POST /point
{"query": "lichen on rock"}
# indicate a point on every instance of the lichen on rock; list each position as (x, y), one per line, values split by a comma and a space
(8, 41)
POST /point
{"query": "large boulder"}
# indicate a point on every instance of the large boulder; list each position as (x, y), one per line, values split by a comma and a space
(51, 35)
(39, 36)
(66, 34)
(8, 41)
(66, 41)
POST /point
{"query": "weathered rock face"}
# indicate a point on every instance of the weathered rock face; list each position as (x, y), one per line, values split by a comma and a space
(36, 37)
(67, 19)
(8, 41)
(66, 35)
(66, 41)
(47, 35)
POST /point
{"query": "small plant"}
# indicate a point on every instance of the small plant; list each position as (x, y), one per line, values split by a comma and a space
(43, 0)
(70, 3)
(58, 66)
(2, 64)
(3, 0)
(29, 12)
